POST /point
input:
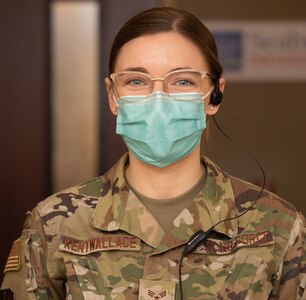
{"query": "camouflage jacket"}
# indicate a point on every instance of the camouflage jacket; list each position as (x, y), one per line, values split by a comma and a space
(97, 241)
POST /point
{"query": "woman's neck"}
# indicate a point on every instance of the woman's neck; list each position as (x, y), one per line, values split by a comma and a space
(168, 182)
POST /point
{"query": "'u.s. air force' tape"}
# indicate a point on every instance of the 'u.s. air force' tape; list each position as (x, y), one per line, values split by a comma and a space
(256, 239)
(13, 261)
(100, 243)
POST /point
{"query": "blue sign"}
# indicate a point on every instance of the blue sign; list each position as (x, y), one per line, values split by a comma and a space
(229, 45)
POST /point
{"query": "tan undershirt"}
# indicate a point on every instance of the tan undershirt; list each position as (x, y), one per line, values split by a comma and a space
(166, 210)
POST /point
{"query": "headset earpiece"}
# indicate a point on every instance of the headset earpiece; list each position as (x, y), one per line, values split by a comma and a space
(216, 95)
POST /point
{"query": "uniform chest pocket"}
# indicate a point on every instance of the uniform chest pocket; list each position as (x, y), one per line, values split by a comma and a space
(85, 280)
(247, 279)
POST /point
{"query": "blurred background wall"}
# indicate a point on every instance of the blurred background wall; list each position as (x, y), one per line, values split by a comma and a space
(56, 128)
(25, 145)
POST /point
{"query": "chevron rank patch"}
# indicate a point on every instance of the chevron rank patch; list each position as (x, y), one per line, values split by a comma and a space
(156, 290)
(13, 261)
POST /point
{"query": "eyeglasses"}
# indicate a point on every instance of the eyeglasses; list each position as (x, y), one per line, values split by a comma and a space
(181, 81)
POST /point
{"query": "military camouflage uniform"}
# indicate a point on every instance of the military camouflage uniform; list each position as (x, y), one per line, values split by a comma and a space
(98, 241)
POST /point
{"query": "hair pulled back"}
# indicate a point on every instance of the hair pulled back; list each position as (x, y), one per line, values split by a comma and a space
(167, 19)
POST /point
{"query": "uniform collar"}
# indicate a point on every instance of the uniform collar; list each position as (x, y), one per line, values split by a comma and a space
(220, 199)
(119, 209)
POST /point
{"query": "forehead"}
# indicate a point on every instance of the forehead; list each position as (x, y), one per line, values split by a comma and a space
(161, 53)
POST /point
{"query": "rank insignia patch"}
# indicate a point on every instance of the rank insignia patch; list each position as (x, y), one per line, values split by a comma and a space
(156, 296)
(13, 261)
(156, 290)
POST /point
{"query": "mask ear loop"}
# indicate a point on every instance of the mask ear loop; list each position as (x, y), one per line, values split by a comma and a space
(115, 100)
(113, 94)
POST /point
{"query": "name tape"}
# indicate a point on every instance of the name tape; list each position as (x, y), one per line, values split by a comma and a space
(213, 246)
(101, 243)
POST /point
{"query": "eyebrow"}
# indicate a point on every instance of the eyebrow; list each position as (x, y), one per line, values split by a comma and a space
(137, 69)
(144, 70)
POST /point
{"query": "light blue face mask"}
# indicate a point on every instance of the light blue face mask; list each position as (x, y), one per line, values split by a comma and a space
(160, 130)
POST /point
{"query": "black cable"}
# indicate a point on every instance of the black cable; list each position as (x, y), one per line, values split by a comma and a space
(180, 276)
(254, 159)
(201, 236)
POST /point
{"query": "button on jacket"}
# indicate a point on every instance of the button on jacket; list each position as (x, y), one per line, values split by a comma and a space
(98, 241)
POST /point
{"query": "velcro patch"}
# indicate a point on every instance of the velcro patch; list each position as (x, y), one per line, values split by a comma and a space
(100, 243)
(13, 261)
(214, 246)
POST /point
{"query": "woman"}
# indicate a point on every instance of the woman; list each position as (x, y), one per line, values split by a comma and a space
(125, 235)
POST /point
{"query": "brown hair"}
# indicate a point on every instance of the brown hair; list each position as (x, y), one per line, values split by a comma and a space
(166, 19)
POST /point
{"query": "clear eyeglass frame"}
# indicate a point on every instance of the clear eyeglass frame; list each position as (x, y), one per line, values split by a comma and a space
(175, 83)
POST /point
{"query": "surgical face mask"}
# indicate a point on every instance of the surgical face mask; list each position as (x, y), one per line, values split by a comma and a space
(161, 129)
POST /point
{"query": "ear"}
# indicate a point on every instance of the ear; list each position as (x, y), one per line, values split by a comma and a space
(213, 109)
(222, 84)
(111, 96)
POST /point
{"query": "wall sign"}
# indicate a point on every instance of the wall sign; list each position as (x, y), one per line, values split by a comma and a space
(261, 50)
